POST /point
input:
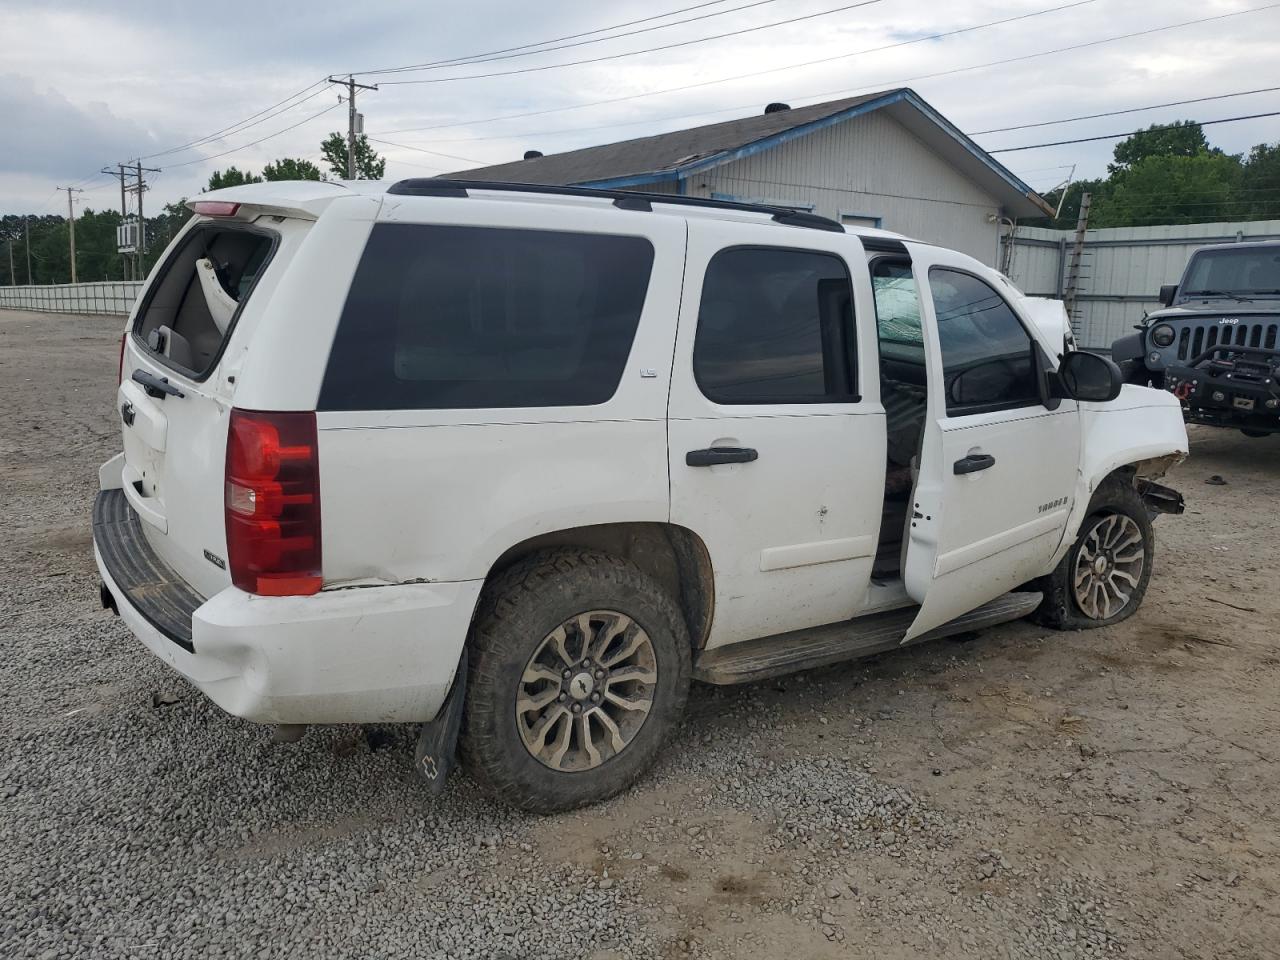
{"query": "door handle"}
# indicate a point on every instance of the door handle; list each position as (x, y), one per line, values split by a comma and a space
(716, 455)
(974, 462)
(158, 387)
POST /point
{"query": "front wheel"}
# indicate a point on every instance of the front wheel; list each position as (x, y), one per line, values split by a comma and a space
(1104, 575)
(579, 672)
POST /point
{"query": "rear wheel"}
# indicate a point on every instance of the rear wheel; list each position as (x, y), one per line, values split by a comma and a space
(579, 672)
(1104, 576)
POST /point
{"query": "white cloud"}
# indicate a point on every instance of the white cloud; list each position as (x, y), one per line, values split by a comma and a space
(93, 87)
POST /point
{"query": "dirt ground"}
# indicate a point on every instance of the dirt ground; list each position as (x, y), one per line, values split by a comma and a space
(1018, 793)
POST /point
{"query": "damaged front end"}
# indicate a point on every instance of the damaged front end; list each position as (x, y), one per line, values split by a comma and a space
(1159, 498)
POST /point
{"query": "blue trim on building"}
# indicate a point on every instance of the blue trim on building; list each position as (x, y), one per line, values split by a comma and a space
(679, 174)
(978, 153)
(635, 180)
(794, 133)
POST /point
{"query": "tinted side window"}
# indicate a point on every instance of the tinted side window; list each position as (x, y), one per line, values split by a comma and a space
(775, 326)
(987, 357)
(443, 317)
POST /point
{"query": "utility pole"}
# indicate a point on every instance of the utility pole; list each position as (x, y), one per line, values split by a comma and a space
(124, 211)
(355, 121)
(71, 226)
(26, 242)
(13, 277)
(140, 247)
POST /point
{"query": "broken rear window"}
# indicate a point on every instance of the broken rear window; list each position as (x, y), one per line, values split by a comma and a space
(194, 301)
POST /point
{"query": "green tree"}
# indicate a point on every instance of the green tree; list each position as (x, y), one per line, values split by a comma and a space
(163, 228)
(1183, 138)
(231, 177)
(1259, 190)
(369, 166)
(288, 168)
(1172, 189)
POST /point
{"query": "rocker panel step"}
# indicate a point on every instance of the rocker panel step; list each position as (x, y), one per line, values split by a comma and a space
(850, 640)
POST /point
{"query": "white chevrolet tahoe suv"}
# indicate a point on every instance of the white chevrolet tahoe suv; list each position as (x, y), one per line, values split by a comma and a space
(518, 463)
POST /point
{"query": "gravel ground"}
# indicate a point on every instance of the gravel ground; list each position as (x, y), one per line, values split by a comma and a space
(1018, 794)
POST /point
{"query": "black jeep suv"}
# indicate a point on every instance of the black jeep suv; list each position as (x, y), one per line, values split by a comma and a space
(1214, 345)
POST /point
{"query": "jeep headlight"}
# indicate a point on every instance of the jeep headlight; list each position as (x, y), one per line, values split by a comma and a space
(1163, 335)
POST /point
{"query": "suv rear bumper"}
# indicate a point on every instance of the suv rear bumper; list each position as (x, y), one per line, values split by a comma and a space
(375, 654)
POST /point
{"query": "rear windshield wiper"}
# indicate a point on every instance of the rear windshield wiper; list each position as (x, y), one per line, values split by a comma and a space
(1216, 293)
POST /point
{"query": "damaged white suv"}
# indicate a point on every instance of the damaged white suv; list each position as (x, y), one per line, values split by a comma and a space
(518, 463)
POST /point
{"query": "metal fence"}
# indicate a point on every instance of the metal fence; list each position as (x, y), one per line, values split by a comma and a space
(1121, 270)
(102, 297)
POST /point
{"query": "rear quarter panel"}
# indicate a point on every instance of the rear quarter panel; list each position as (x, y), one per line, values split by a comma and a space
(440, 494)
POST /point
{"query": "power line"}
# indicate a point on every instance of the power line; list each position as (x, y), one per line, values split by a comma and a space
(245, 123)
(1121, 136)
(510, 52)
(434, 153)
(245, 146)
(1025, 126)
(847, 91)
(1176, 202)
(1116, 113)
(634, 53)
(1267, 191)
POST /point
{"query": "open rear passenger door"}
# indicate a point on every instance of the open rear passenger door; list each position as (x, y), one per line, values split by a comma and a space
(998, 458)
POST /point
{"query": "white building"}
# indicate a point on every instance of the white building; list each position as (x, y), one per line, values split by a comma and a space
(885, 159)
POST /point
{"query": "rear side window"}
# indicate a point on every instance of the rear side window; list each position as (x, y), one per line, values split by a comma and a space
(449, 317)
(775, 326)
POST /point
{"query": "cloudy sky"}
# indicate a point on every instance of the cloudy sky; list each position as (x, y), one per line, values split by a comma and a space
(86, 84)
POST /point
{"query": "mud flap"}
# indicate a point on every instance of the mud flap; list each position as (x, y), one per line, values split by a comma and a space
(437, 748)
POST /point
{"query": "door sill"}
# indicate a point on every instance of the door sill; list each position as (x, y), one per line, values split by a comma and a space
(798, 650)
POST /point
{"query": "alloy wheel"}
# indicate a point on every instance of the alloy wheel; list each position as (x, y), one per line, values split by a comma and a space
(1108, 566)
(586, 691)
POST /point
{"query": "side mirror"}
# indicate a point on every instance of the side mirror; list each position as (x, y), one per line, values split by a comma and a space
(1089, 376)
(1167, 293)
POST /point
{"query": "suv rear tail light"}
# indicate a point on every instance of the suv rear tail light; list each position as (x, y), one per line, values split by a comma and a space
(272, 503)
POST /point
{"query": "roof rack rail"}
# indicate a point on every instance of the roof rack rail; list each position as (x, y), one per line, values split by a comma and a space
(623, 199)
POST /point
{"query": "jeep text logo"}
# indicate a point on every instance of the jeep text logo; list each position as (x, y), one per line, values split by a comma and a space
(1232, 320)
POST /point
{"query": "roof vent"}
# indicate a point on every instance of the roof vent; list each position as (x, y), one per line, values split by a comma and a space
(776, 108)
(532, 154)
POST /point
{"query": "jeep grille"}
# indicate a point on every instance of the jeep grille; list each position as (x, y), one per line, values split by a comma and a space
(1194, 339)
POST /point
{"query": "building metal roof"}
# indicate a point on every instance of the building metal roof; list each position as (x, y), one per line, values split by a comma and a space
(681, 153)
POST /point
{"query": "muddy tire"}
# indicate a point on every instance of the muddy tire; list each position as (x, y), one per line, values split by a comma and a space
(579, 672)
(1104, 575)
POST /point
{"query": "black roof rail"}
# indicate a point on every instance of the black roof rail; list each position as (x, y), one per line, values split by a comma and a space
(623, 199)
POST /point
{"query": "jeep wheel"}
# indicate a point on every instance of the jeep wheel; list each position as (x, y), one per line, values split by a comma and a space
(579, 671)
(1104, 575)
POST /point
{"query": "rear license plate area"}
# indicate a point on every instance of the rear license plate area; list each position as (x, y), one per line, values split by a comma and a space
(1242, 403)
